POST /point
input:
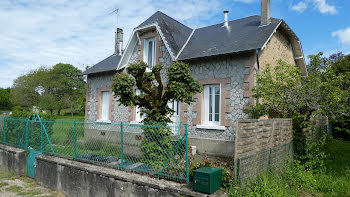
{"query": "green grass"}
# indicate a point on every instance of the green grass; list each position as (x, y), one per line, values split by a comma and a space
(2, 184)
(296, 181)
(69, 116)
(14, 189)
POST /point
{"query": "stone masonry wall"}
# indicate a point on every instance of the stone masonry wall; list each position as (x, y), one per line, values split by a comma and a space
(229, 72)
(260, 145)
(103, 81)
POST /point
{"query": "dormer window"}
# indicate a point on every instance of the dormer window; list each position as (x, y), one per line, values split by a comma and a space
(149, 52)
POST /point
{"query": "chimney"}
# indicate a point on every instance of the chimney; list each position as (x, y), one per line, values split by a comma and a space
(226, 18)
(118, 41)
(265, 12)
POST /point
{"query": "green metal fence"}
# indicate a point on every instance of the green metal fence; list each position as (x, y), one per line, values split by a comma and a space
(158, 150)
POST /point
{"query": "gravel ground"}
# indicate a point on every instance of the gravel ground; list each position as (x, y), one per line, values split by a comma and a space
(12, 185)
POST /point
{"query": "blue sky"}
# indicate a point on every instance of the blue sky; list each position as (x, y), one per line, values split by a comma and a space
(38, 33)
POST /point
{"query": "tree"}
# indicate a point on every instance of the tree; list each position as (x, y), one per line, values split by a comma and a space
(155, 96)
(153, 101)
(285, 93)
(5, 102)
(56, 88)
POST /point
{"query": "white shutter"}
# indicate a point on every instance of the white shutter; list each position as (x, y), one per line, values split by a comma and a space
(206, 104)
(105, 106)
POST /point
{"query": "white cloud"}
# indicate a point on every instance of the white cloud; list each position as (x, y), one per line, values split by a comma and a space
(343, 35)
(321, 5)
(300, 7)
(324, 7)
(40, 32)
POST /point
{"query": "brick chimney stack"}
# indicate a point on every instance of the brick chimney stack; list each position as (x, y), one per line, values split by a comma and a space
(118, 42)
(265, 12)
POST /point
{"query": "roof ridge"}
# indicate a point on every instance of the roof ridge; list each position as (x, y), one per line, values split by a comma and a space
(173, 19)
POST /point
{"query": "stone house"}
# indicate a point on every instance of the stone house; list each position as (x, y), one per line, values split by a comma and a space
(223, 57)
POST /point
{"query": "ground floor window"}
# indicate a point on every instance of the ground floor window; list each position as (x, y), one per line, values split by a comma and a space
(105, 105)
(212, 104)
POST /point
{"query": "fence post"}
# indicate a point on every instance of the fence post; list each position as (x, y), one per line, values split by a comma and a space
(187, 170)
(27, 134)
(75, 140)
(269, 164)
(4, 137)
(121, 146)
(238, 171)
(42, 136)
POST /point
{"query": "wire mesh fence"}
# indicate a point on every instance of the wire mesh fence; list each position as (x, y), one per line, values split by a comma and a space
(158, 150)
(250, 167)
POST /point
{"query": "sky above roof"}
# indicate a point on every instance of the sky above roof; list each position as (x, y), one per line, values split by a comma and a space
(38, 33)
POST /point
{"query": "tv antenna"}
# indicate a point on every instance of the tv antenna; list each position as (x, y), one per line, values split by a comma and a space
(116, 12)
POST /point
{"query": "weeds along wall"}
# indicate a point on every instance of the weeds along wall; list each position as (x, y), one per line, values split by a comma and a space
(261, 145)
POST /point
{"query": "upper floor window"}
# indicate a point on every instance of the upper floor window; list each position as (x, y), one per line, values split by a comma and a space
(149, 52)
(212, 104)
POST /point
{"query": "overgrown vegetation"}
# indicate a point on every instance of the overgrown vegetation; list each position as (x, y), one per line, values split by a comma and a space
(322, 165)
(298, 180)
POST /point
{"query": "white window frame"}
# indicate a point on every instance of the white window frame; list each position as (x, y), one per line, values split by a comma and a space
(105, 104)
(207, 121)
(146, 52)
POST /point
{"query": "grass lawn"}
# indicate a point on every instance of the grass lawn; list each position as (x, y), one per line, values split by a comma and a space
(295, 181)
(69, 116)
(13, 185)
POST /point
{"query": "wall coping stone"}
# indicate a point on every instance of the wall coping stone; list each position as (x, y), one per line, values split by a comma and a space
(263, 120)
(11, 149)
(138, 179)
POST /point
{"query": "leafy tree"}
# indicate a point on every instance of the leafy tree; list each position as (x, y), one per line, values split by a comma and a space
(286, 93)
(155, 95)
(56, 88)
(153, 101)
(5, 102)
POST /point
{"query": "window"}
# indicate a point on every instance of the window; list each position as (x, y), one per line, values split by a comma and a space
(105, 105)
(212, 104)
(149, 52)
(138, 117)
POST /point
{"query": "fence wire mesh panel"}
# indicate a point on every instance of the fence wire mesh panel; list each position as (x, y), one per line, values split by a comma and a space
(250, 167)
(159, 150)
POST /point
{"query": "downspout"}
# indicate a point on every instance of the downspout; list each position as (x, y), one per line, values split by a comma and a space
(258, 73)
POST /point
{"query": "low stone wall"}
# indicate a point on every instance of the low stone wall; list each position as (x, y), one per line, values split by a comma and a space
(213, 147)
(82, 179)
(13, 160)
(260, 145)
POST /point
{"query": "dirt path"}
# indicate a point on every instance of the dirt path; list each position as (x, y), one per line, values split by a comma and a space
(12, 185)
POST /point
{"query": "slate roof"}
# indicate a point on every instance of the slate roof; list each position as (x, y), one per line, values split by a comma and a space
(242, 35)
(108, 64)
(175, 33)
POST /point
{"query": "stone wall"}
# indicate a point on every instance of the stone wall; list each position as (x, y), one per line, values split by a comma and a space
(81, 179)
(260, 145)
(13, 160)
(229, 72)
(95, 84)
(279, 47)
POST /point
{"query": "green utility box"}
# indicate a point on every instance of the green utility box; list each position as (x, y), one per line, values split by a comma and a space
(207, 180)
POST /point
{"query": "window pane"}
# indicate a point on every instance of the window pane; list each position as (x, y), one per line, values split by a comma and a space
(150, 54)
(210, 104)
(217, 103)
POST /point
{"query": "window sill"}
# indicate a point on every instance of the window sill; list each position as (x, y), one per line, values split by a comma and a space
(104, 121)
(136, 122)
(211, 127)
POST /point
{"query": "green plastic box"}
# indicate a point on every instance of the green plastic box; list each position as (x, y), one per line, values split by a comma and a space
(207, 179)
